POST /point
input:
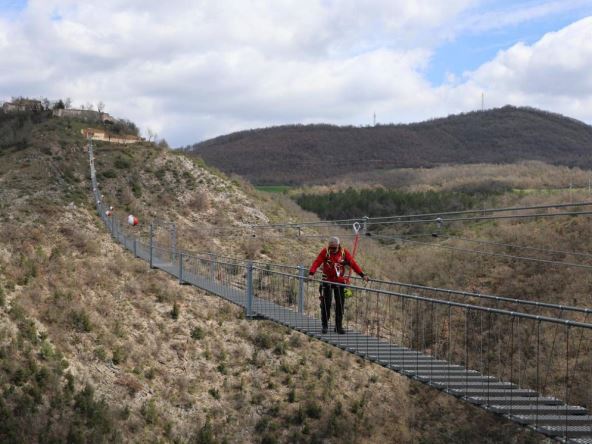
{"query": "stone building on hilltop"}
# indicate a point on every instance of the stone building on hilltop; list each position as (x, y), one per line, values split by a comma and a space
(21, 105)
(85, 114)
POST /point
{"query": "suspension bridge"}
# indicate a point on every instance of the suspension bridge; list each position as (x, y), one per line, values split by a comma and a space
(528, 361)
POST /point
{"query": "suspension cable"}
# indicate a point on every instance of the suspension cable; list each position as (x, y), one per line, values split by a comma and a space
(484, 253)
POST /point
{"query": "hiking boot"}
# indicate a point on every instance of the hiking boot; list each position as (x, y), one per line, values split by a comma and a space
(324, 330)
(340, 331)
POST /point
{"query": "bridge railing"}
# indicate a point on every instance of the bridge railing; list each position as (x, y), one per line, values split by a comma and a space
(549, 355)
(536, 307)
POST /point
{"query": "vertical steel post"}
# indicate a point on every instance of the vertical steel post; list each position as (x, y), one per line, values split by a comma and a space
(181, 268)
(301, 271)
(212, 266)
(151, 244)
(249, 290)
(174, 241)
(135, 248)
(112, 226)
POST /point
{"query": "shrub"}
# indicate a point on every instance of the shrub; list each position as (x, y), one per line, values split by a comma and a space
(205, 435)
(80, 321)
(150, 373)
(214, 392)
(262, 425)
(160, 173)
(46, 351)
(122, 164)
(292, 395)
(263, 340)
(109, 174)
(312, 409)
(175, 311)
(280, 348)
(96, 413)
(199, 201)
(269, 439)
(197, 333)
(100, 353)
(2, 297)
(119, 355)
(28, 330)
(136, 189)
(295, 341)
(149, 412)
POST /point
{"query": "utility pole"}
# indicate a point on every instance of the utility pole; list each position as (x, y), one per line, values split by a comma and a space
(375, 118)
(482, 101)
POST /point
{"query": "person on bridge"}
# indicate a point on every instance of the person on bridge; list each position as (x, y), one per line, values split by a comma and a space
(334, 259)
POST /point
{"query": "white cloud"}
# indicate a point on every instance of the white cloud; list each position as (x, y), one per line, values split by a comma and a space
(553, 73)
(519, 13)
(193, 69)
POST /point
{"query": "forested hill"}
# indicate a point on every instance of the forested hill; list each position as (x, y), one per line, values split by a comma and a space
(299, 154)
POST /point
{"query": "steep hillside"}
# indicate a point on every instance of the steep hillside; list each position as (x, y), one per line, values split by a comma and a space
(323, 153)
(92, 349)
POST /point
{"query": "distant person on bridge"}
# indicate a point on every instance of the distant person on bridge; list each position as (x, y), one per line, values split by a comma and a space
(334, 259)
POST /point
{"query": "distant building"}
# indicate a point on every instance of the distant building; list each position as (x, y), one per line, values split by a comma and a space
(20, 105)
(84, 114)
(104, 136)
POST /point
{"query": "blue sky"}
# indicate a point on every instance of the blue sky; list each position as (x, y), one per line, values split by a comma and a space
(11, 7)
(470, 51)
(192, 70)
(472, 48)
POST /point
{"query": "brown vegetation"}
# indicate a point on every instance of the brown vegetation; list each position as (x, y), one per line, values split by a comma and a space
(305, 154)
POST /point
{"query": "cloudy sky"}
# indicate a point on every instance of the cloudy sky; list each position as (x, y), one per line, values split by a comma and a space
(194, 69)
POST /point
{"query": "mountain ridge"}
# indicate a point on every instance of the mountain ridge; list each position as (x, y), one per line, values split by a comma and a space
(320, 153)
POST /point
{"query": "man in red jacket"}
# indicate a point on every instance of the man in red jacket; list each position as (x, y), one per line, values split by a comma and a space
(334, 259)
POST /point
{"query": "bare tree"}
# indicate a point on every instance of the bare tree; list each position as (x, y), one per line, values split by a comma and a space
(101, 107)
(89, 106)
(68, 102)
(152, 135)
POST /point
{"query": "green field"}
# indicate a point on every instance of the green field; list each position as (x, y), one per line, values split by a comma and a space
(274, 188)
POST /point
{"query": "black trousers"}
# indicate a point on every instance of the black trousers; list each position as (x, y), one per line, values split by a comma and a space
(327, 292)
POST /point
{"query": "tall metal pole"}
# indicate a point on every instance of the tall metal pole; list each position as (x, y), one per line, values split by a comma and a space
(212, 266)
(174, 241)
(151, 245)
(249, 290)
(181, 269)
(301, 271)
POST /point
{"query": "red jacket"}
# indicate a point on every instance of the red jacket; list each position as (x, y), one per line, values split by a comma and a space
(334, 265)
